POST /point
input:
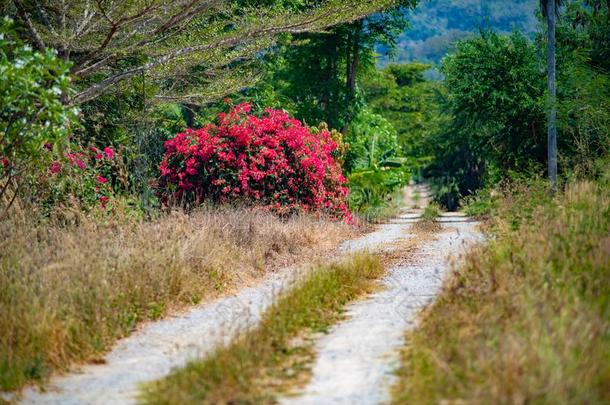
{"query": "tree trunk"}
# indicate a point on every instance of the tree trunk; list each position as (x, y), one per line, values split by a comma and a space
(552, 118)
(353, 58)
(352, 61)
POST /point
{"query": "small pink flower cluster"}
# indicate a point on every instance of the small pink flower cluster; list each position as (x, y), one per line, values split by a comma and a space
(77, 161)
(272, 160)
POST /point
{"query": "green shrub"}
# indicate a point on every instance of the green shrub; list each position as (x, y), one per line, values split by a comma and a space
(431, 212)
(371, 139)
(375, 193)
(33, 116)
(480, 204)
(446, 191)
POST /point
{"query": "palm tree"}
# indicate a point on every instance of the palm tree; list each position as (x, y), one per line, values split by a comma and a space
(549, 10)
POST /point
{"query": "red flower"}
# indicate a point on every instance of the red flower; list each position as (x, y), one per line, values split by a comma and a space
(55, 167)
(102, 179)
(74, 159)
(103, 200)
(99, 156)
(108, 152)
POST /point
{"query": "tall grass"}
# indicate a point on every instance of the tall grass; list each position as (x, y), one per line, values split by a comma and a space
(428, 220)
(246, 371)
(431, 212)
(527, 317)
(68, 292)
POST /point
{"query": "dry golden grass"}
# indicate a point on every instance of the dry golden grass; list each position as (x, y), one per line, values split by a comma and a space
(526, 318)
(68, 292)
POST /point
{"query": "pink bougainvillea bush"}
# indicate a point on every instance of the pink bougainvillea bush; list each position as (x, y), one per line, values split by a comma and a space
(272, 160)
(80, 175)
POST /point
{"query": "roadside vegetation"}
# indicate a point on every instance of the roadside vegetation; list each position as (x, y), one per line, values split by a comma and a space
(259, 364)
(490, 124)
(67, 293)
(524, 318)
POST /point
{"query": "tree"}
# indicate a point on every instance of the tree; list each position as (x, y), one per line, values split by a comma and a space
(495, 89)
(108, 42)
(549, 10)
(320, 75)
(402, 95)
(583, 99)
(494, 93)
(32, 115)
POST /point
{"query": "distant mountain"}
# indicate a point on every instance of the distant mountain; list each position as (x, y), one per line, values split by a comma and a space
(436, 24)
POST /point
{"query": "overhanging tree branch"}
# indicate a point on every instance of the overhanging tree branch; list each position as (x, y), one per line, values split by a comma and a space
(36, 39)
(169, 36)
(100, 87)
